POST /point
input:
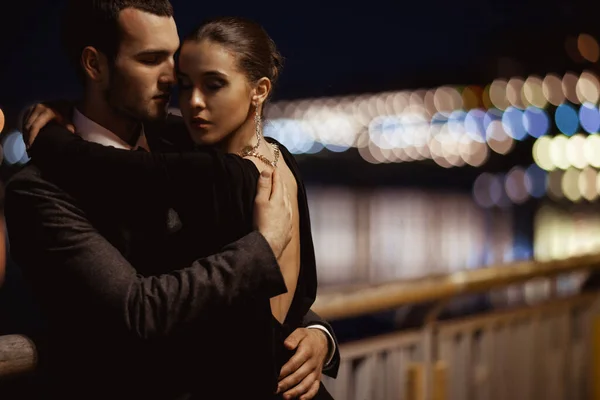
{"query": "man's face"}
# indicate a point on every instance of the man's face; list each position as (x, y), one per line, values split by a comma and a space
(144, 68)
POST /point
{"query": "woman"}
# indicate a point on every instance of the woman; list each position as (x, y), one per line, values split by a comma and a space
(227, 68)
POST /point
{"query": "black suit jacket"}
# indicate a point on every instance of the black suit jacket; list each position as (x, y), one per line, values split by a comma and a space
(111, 327)
(114, 326)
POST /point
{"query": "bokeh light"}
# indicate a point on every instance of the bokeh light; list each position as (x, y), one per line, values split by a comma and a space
(589, 117)
(558, 152)
(536, 121)
(458, 126)
(588, 47)
(533, 92)
(474, 153)
(497, 138)
(497, 94)
(571, 47)
(512, 120)
(566, 118)
(514, 87)
(14, 148)
(591, 150)
(570, 185)
(574, 151)
(485, 97)
(447, 99)
(541, 153)
(474, 125)
(588, 88)
(552, 89)
(535, 181)
(554, 184)
(515, 185)
(587, 184)
(488, 190)
(471, 97)
(569, 85)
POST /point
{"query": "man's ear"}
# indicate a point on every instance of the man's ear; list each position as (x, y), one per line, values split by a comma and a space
(94, 64)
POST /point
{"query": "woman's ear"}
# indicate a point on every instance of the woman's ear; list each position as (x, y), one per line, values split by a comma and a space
(261, 91)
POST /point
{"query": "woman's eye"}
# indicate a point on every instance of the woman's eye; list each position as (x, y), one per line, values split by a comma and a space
(215, 85)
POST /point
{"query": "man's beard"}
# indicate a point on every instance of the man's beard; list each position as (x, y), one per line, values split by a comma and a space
(134, 114)
(117, 91)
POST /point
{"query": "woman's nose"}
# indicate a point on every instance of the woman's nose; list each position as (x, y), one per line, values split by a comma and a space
(197, 99)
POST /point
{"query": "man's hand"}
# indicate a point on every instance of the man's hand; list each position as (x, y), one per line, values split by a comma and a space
(272, 211)
(300, 377)
(39, 115)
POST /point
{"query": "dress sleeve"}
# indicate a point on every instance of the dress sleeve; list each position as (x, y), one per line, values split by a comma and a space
(205, 178)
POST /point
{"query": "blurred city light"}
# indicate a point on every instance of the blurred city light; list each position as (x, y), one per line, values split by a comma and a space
(14, 148)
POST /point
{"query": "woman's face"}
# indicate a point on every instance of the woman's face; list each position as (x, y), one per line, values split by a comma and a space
(215, 96)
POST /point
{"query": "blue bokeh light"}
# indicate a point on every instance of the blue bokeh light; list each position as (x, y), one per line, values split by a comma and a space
(536, 121)
(512, 121)
(566, 119)
(589, 117)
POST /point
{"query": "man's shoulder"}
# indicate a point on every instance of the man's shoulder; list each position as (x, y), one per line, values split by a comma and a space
(21, 186)
(28, 174)
(29, 180)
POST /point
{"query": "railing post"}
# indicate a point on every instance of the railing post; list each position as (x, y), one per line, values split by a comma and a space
(440, 381)
(595, 370)
(429, 349)
(414, 382)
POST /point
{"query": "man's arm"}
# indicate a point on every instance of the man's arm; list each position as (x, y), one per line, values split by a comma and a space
(53, 240)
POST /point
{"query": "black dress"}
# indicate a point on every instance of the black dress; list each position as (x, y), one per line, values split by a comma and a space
(207, 199)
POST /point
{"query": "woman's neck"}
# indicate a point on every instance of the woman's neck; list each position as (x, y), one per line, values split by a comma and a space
(246, 136)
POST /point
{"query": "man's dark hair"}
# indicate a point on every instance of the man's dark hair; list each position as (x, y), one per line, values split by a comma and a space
(96, 23)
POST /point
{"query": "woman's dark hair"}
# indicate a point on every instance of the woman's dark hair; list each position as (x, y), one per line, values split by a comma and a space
(255, 50)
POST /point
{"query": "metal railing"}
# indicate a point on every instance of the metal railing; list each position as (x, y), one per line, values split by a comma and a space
(532, 352)
(18, 356)
(338, 303)
(456, 359)
(481, 357)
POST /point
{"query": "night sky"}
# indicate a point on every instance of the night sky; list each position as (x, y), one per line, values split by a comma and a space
(330, 49)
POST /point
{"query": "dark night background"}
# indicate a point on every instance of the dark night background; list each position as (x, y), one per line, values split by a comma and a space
(345, 48)
(340, 48)
(330, 48)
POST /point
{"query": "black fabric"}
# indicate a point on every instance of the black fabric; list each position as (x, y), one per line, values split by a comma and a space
(162, 211)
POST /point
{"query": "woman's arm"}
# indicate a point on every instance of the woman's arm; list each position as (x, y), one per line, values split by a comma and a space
(123, 175)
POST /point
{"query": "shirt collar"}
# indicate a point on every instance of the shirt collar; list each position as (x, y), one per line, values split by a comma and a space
(94, 132)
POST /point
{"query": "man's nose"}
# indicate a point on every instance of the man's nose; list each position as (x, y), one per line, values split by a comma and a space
(169, 76)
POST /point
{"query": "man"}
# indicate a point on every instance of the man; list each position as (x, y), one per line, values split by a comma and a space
(119, 314)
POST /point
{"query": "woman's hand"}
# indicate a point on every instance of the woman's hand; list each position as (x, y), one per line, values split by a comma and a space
(39, 115)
